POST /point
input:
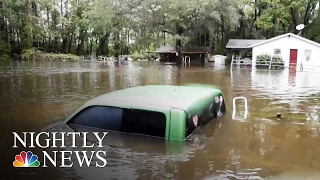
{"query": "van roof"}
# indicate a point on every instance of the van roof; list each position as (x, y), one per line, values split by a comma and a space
(180, 97)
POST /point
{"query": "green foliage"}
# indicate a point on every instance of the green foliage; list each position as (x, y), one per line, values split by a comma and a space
(34, 54)
(267, 58)
(4, 60)
(136, 56)
(57, 56)
(28, 54)
(3, 48)
(277, 58)
(114, 26)
(263, 59)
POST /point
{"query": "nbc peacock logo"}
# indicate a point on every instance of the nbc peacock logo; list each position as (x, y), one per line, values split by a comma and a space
(26, 160)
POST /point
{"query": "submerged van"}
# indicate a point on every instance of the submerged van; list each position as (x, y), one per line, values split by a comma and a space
(165, 111)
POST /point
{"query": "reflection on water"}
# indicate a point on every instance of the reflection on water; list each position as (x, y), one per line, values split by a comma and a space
(295, 93)
(285, 84)
(127, 155)
(37, 96)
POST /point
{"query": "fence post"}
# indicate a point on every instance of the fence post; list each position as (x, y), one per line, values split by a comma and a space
(270, 63)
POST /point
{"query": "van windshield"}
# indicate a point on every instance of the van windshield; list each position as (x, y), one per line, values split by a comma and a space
(144, 122)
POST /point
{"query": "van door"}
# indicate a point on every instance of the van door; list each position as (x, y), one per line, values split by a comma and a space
(220, 105)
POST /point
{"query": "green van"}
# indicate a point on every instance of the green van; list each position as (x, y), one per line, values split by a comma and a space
(165, 111)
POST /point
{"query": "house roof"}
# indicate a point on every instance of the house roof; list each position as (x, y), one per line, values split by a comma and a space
(285, 35)
(242, 43)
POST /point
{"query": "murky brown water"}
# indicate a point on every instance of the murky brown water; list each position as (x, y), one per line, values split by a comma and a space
(35, 96)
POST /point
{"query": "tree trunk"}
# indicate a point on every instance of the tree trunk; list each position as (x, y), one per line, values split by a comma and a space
(91, 46)
(26, 30)
(70, 44)
(179, 31)
(222, 29)
(48, 21)
(116, 45)
(64, 45)
(103, 48)
(80, 47)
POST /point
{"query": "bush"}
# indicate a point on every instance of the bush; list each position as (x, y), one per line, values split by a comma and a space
(136, 55)
(263, 59)
(34, 55)
(28, 54)
(277, 58)
(267, 58)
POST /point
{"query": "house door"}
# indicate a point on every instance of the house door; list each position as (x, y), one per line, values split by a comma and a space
(293, 57)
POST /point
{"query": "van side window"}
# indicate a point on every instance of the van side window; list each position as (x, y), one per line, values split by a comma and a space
(147, 122)
(102, 117)
(190, 127)
(220, 104)
(122, 120)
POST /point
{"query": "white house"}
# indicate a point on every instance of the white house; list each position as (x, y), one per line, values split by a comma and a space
(293, 49)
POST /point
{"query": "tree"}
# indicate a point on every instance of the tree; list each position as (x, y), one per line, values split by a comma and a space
(118, 27)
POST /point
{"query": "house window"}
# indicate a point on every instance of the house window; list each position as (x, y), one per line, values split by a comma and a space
(277, 51)
(220, 105)
(307, 53)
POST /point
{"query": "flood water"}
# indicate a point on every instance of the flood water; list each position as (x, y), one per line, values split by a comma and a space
(37, 96)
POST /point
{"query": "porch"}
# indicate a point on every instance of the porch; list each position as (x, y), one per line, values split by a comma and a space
(241, 52)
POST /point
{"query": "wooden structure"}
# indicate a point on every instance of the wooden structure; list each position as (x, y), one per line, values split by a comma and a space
(168, 53)
(198, 53)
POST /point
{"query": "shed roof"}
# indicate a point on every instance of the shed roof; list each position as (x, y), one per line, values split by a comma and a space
(242, 43)
(285, 35)
(165, 49)
(185, 49)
